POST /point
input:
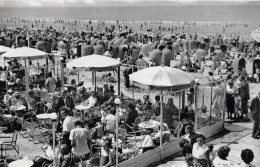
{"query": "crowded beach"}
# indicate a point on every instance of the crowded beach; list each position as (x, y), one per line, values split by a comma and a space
(113, 96)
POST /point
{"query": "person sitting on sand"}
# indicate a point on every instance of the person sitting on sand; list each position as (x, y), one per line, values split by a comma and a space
(140, 62)
(109, 78)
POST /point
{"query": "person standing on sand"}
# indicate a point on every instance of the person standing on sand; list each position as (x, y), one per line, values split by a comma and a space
(245, 96)
(255, 109)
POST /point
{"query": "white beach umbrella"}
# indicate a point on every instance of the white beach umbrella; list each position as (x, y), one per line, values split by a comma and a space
(94, 62)
(162, 76)
(24, 53)
(4, 49)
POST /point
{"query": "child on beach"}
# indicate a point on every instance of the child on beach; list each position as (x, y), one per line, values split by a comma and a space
(203, 65)
(238, 105)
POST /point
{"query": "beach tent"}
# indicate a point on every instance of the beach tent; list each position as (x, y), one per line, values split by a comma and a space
(163, 77)
(134, 53)
(238, 62)
(100, 42)
(106, 44)
(121, 50)
(167, 56)
(156, 54)
(256, 64)
(86, 50)
(99, 49)
(25, 53)
(256, 35)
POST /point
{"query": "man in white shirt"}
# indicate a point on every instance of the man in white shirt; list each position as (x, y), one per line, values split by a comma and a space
(110, 121)
(79, 138)
(68, 121)
(91, 101)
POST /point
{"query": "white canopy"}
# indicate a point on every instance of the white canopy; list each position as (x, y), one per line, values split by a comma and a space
(24, 53)
(162, 77)
(4, 49)
(94, 62)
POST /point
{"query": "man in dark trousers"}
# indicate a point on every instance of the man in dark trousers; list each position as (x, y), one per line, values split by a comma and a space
(244, 94)
(255, 109)
(126, 73)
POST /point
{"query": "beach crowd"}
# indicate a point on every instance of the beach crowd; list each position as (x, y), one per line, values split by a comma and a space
(87, 121)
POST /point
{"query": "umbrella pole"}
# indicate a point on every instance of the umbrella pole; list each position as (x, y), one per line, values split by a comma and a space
(161, 124)
(95, 82)
(57, 67)
(196, 107)
(47, 69)
(6, 83)
(203, 90)
(179, 107)
(118, 78)
(62, 76)
(78, 76)
(210, 110)
(183, 98)
(6, 73)
(133, 92)
(117, 108)
(225, 102)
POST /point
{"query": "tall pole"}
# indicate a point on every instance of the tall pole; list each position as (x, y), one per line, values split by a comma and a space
(62, 75)
(78, 76)
(203, 90)
(117, 137)
(210, 110)
(95, 81)
(133, 92)
(196, 107)
(225, 101)
(161, 124)
(118, 78)
(180, 94)
(53, 144)
(117, 102)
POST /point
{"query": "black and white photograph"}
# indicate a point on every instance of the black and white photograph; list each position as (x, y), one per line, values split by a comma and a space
(129, 83)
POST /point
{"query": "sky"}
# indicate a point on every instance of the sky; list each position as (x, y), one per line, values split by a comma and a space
(69, 3)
